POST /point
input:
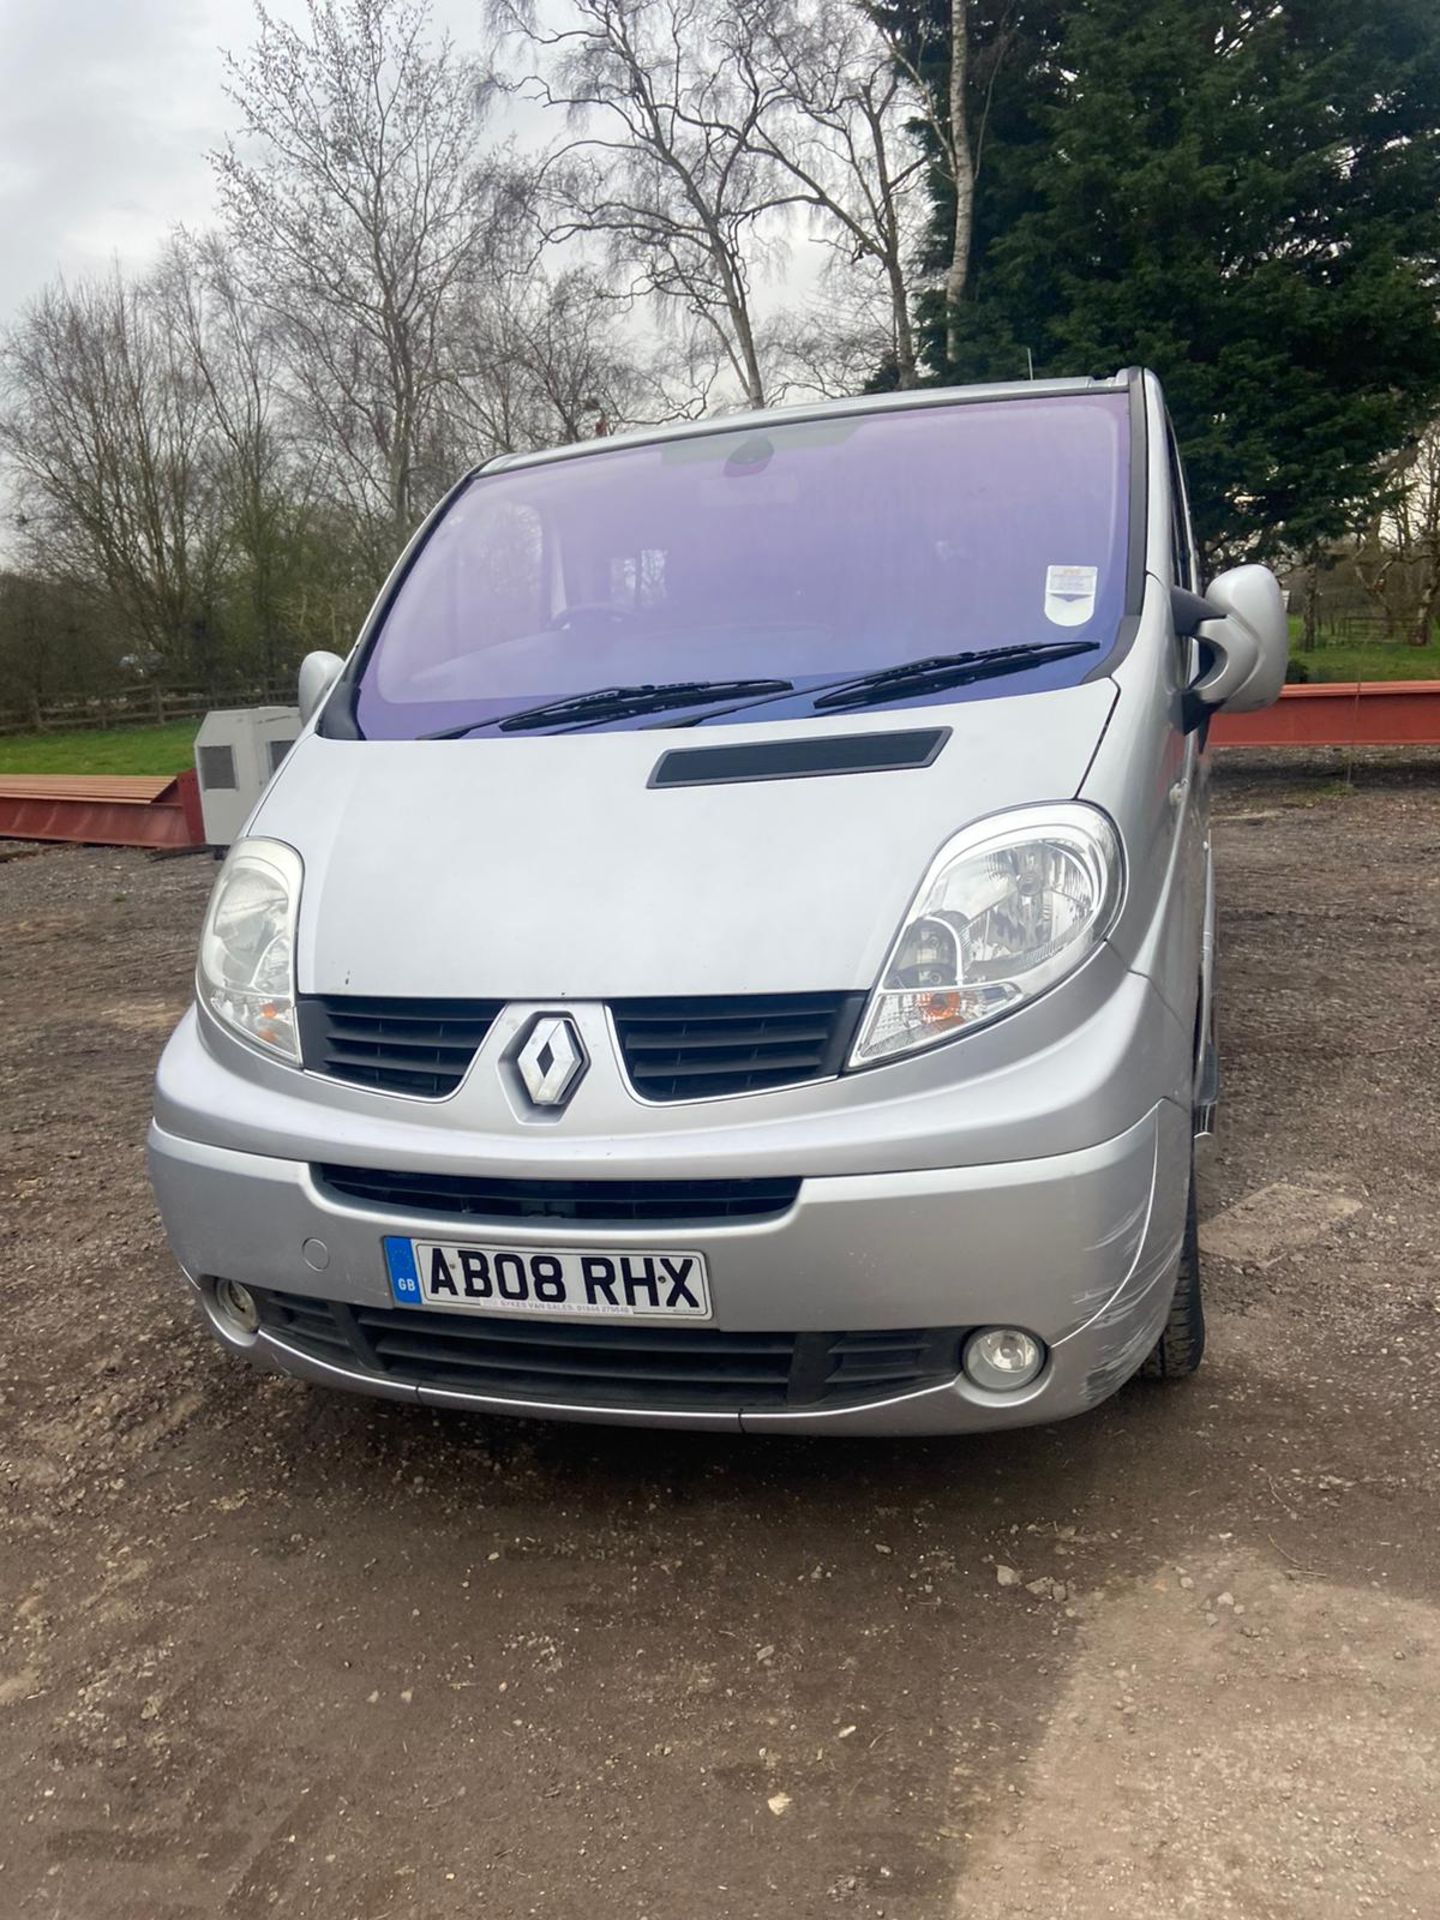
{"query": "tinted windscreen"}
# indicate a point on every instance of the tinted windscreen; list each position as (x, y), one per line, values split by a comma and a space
(808, 552)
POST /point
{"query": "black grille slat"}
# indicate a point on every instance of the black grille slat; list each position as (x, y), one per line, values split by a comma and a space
(396, 1046)
(814, 1037)
(616, 1363)
(398, 1016)
(786, 1065)
(517, 1331)
(890, 1357)
(312, 1321)
(321, 1336)
(398, 1347)
(405, 1054)
(427, 1086)
(610, 1202)
(565, 1389)
(410, 1036)
(870, 1376)
(686, 1049)
(868, 1356)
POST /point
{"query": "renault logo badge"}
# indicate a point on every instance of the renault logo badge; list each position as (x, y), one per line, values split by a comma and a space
(552, 1061)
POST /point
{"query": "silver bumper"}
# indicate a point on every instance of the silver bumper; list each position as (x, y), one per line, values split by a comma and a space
(1080, 1248)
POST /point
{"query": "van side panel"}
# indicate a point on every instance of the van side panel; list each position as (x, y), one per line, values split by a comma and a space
(1143, 776)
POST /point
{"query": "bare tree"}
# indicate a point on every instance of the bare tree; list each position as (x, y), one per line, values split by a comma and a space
(839, 121)
(262, 491)
(106, 424)
(1398, 560)
(831, 344)
(661, 165)
(358, 202)
(566, 340)
(541, 360)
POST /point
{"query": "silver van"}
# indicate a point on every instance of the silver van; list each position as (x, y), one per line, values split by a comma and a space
(733, 945)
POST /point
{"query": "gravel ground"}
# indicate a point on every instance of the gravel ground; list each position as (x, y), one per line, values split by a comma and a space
(269, 1650)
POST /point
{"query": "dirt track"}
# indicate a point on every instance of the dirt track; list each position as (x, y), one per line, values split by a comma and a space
(265, 1650)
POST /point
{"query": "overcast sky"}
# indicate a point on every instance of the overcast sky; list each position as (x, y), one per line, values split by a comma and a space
(109, 109)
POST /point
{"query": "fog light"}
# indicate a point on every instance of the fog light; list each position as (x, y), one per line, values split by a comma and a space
(1003, 1358)
(235, 1305)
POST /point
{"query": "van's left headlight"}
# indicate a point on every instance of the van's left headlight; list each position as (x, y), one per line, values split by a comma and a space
(1010, 906)
(246, 971)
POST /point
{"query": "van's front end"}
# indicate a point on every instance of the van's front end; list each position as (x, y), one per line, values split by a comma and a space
(731, 950)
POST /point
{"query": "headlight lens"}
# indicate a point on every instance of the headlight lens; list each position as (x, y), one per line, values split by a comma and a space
(1010, 906)
(246, 974)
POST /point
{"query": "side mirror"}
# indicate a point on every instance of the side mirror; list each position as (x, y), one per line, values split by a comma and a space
(1243, 628)
(318, 674)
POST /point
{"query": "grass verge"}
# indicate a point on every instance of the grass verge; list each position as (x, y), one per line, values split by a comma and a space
(164, 749)
(1367, 660)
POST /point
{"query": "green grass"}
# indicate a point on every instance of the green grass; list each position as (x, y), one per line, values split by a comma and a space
(103, 750)
(1340, 659)
(1369, 660)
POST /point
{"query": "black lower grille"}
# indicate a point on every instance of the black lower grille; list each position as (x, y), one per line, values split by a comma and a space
(698, 1049)
(607, 1202)
(665, 1368)
(400, 1046)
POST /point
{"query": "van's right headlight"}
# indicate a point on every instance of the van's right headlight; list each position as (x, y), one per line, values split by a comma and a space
(1008, 908)
(246, 971)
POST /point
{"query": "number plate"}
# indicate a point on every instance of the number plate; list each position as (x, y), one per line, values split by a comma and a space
(567, 1281)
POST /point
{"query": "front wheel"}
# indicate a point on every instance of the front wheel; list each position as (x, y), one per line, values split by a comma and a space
(1181, 1346)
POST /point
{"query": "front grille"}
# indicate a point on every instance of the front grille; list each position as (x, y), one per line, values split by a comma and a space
(665, 1368)
(674, 1049)
(401, 1046)
(611, 1203)
(697, 1049)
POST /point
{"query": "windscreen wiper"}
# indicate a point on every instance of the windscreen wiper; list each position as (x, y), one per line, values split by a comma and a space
(941, 670)
(617, 703)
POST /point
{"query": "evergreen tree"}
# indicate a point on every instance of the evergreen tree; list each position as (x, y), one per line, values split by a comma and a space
(1245, 196)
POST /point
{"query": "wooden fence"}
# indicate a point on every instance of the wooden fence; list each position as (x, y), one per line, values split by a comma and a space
(1343, 627)
(137, 707)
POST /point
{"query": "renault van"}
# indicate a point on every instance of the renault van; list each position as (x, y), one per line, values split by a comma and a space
(734, 944)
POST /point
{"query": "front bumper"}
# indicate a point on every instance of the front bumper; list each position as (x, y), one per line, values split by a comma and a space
(1080, 1248)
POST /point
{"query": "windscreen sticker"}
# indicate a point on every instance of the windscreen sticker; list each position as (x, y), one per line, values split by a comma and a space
(1070, 594)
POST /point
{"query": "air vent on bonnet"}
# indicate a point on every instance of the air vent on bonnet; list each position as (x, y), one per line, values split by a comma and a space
(799, 758)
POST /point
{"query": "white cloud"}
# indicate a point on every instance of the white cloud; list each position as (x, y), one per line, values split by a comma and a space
(110, 108)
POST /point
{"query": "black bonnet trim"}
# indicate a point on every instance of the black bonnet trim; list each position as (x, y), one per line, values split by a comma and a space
(802, 758)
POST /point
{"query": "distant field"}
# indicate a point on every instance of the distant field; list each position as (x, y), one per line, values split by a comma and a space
(1369, 660)
(110, 750)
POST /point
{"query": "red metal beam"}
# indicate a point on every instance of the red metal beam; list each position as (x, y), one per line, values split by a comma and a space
(162, 812)
(1370, 713)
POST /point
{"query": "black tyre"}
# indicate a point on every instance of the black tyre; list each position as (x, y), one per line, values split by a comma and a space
(1181, 1347)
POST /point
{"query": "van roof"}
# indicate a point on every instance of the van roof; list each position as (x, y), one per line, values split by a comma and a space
(761, 417)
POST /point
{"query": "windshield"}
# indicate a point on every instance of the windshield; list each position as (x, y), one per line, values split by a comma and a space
(807, 552)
